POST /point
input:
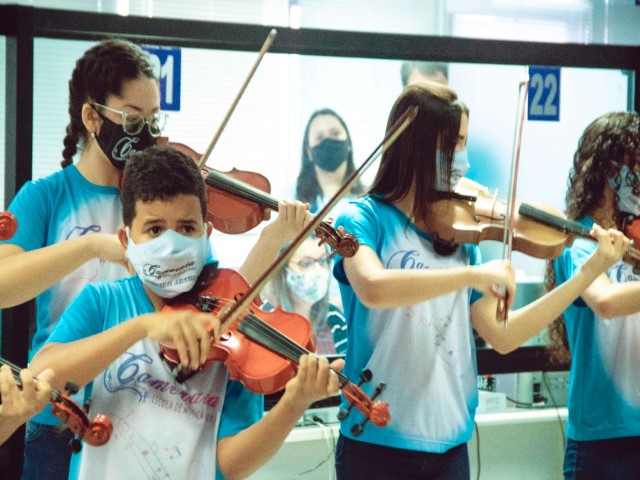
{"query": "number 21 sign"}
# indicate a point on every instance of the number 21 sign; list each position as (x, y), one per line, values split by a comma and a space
(544, 94)
(166, 62)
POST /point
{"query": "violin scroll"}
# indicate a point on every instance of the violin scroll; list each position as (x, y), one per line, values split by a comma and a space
(95, 432)
(8, 225)
(376, 412)
(339, 240)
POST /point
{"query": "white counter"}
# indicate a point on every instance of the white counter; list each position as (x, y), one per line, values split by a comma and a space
(526, 444)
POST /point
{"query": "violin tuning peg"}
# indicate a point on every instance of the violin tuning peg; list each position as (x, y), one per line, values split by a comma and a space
(379, 389)
(343, 413)
(75, 445)
(357, 429)
(71, 388)
(365, 376)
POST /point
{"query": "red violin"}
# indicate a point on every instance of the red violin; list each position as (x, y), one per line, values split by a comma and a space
(95, 432)
(236, 202)
(262, 349)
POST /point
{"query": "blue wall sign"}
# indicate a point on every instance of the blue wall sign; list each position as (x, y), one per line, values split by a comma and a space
(543, 98)
(167, 62)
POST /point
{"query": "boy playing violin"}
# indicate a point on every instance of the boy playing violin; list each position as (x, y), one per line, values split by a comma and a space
(111, 334)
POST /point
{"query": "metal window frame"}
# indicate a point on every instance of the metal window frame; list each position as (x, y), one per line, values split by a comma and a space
(22, 24)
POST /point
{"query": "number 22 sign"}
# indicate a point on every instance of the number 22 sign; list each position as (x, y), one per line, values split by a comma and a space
(544, 94)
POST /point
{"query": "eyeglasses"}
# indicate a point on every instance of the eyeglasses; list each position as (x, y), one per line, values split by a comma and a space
(133, 123)
(306, 263)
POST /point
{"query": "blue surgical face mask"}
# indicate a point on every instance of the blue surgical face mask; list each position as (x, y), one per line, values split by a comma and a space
(170, 263)
(628, 202)
(459, 167)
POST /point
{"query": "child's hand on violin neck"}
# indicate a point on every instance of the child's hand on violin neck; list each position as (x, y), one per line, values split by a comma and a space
(189, 333)
(313, 381)
(494, 277)
(612, 246)
(21, 401)
(293, 216)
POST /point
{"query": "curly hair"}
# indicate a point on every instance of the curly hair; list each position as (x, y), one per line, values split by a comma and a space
(610, 142)
(102, 71)
(308, 188)
(159, 172)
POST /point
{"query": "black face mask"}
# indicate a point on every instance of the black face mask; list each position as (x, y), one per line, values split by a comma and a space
(117, 145)
(330, 154)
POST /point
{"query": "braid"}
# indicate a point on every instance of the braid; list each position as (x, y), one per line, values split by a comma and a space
(99, 73)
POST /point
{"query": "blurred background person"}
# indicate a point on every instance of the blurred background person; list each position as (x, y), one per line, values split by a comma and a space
(302, 287)
(327, 160)
(413, 72)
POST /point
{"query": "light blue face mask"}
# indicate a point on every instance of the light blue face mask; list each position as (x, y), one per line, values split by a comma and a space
(310, 286)
(628, 202)
(170, 263)
(459, 167)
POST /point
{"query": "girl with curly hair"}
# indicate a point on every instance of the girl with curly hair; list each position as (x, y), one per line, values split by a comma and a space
(601, 330)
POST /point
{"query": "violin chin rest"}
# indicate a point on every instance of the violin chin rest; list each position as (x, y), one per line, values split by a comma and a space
(444, 248)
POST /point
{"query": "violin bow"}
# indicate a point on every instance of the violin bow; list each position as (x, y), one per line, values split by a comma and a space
(502, 311)
(265, 47)
(230, 316)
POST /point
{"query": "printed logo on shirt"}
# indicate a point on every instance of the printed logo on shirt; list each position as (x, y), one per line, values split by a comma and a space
(79, 231)
(129, 375)
(622, 272)
(407, 260)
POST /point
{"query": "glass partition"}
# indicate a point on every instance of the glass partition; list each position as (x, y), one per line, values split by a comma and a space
(265, 133)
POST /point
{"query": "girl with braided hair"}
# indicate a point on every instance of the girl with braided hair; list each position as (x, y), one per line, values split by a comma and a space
(68, 220)
(601, 330)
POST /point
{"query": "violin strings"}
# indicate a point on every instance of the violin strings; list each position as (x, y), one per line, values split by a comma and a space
(285, 342)
(15, 369)
(289, 348)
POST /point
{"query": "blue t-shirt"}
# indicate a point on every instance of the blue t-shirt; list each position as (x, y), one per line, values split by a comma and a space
(425, 353)
(161, 428)
(59, 207)
(604, 382)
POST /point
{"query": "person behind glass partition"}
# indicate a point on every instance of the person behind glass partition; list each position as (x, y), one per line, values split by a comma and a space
(414, 72)
(600, 333)
(327, 160)
(302, 287)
